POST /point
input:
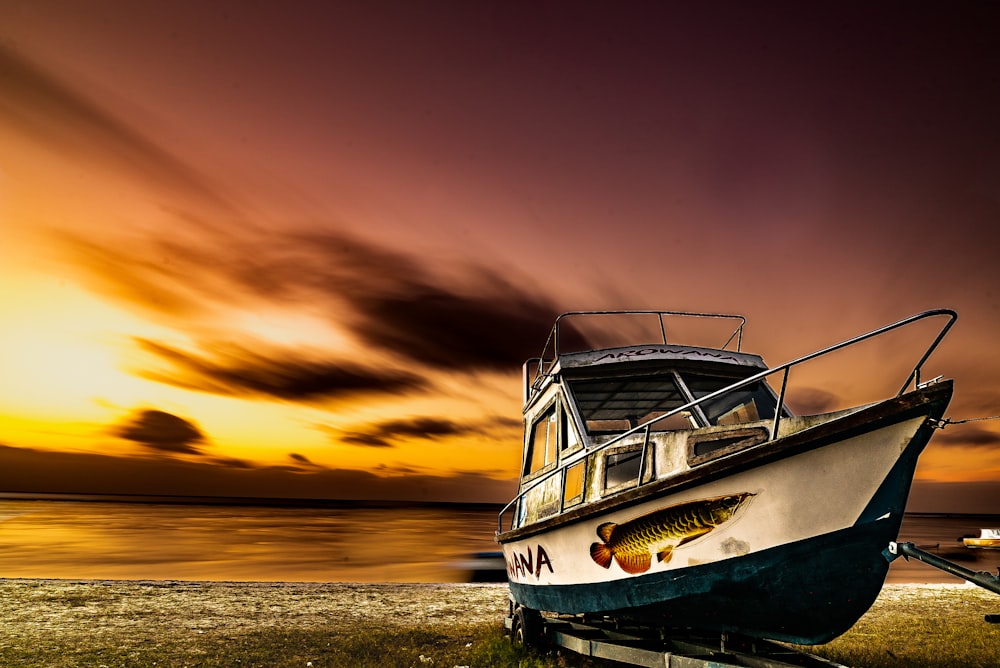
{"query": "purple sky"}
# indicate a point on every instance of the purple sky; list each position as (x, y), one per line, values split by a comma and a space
(322, 236)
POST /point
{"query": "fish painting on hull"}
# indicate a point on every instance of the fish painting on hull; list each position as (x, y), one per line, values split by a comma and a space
(633, 543)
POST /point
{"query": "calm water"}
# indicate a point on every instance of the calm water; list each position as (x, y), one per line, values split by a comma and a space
(138, 541)
(942, 535)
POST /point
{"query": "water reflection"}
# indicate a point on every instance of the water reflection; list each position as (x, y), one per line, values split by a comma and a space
(46, 539)
(942, 535)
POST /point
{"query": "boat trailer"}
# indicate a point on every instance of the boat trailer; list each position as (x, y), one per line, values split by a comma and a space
(611, 639)
(607, 638)
(983, 579)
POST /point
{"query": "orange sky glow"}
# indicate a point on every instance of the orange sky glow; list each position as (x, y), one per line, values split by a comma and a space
(302, 251)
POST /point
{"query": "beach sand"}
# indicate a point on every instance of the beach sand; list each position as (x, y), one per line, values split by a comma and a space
(38, 607)
(136, 623)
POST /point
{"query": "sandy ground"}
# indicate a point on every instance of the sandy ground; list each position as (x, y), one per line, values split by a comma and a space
(62, 605)
(34, 608)
(44, 621)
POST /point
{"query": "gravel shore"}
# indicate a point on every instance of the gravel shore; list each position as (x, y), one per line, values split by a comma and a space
(30, 609)
(137, 623)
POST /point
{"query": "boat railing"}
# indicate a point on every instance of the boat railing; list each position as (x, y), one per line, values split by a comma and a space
(646, 427)
(551, 350)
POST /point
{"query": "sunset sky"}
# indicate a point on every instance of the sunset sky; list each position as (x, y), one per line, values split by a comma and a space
(301, 249)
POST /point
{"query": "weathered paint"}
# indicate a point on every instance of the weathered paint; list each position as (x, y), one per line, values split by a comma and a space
(819, 520)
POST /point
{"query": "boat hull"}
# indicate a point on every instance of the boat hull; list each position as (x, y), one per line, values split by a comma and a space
(806, 592)
(798, 558)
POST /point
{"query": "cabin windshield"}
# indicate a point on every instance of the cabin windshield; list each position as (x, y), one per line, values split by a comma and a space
(618, 404)
(747, 404)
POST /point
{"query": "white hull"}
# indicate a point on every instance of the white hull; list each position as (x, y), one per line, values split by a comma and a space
(810, 494)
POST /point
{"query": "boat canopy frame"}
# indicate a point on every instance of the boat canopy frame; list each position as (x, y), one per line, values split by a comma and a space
(552, 342)
(646, 427)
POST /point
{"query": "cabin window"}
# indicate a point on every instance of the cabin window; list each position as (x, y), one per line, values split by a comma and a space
(542, 447)
(570, 440)
(747, 404)
(621, 468)
(573, 489)
(618, 404)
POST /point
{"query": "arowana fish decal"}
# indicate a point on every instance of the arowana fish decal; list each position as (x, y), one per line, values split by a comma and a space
(634, 543)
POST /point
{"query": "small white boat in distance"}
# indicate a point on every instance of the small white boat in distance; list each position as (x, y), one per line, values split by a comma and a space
(987, 538)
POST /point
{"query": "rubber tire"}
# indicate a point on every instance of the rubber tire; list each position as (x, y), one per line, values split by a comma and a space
(527, 629)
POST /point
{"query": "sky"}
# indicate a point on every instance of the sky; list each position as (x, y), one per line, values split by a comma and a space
(302, 249)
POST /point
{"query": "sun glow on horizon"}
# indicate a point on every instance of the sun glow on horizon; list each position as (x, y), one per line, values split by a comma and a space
(61, 349)
(71, 372)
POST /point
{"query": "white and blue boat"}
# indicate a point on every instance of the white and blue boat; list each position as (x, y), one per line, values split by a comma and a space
(669, 485)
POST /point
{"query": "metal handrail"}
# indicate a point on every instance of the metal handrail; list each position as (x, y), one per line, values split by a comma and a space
(913, 377)
(553, 337)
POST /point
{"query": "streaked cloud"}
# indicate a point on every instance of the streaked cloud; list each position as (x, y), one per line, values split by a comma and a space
(300, 459)
(385, 300)
(55, 114)
(388, 433)
(233, 370)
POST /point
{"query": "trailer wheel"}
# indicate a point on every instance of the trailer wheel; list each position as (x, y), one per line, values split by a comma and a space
(526, 628)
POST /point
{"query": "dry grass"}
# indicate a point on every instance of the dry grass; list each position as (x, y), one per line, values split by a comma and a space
(931, 626)
(63, 623)
(58, 623)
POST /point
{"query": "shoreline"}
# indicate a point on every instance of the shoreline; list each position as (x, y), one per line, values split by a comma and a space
(310, 583)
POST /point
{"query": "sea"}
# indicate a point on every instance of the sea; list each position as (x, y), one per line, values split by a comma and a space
(102, 538)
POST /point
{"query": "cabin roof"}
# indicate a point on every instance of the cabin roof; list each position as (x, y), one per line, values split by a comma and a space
(658, 353)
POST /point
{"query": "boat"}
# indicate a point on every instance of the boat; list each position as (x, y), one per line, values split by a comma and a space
(668, 484)
(987, 538)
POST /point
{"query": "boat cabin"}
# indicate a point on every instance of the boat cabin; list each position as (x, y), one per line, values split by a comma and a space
(601, 422)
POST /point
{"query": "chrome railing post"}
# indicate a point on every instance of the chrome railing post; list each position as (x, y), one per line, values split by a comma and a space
(781, 403)
(642, 457)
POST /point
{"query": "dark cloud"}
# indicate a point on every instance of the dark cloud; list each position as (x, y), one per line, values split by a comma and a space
(302, 459)
(162, 431)
(473, 319)
(399, 470)
(234, 370)
(961, 435)
(424, 427)
(477, 320)
(365, 440)
(453, 331)
(384, 434)
(395, 302)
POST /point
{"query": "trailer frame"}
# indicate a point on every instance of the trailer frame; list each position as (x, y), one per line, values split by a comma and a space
(652, 647)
